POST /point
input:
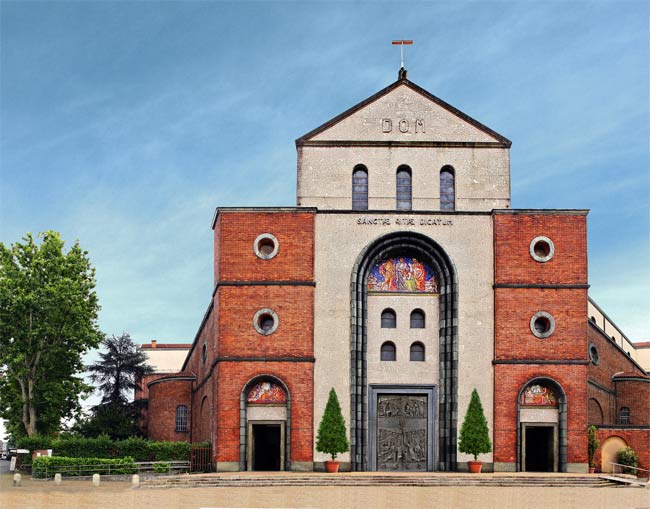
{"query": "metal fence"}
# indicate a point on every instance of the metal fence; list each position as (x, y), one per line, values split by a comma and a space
(142, 467)
(200, 459)
(618, 468)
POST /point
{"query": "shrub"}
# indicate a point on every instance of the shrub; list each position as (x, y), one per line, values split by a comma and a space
(100, 447)
(34, 443)
(170, 451)
(162, 467)
(474, 434)
(627, 456)
(592, 444)
(332, 437)
(47, 466)
(137, 448)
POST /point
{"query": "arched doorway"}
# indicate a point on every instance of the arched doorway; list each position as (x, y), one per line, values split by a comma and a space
(608, 452)
(402, 245)
(541, 427)
(265, 425)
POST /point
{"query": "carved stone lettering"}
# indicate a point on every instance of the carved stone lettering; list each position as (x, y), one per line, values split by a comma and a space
(419, 125)
(386, 125)
(402, 432)
(403, 126)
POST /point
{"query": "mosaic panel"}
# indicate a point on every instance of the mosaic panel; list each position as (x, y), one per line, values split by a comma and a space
(538, 395)
(402, 274)
(266, 392)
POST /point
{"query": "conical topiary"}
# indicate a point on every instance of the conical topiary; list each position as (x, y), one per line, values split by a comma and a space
(474, 434)
(332, 437)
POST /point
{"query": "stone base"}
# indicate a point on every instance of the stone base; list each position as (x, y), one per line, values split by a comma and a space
(227, 466)
(302, 466)
(344, 466)
(501, 466)
(577, 468)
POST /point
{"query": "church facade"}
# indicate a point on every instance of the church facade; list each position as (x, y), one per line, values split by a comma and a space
(404, 280)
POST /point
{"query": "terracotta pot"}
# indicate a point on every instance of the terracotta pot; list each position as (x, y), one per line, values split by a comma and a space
(475, 466)
(592, 470)
(331, 467)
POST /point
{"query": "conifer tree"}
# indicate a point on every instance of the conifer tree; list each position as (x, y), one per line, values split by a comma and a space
(332, 437)
(474, 434)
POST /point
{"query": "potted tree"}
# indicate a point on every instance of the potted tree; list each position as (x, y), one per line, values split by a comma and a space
(332, 437)
(474, 434)
(592, 444)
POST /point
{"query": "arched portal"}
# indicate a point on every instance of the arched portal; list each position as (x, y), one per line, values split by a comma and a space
(430, 253)
(265, 425)
(608, 455)
(542, 426)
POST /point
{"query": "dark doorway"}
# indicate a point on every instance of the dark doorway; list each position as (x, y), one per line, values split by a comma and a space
(540, 449)
(266, 446)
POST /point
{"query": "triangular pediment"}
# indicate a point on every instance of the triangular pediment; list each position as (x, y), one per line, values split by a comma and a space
(404, 113)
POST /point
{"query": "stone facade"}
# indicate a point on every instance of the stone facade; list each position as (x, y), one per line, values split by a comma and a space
(294, 312)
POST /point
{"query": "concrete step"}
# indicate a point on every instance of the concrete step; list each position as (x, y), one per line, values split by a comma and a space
(343, 479)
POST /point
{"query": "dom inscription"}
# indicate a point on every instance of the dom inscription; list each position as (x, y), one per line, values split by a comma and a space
(403, 125)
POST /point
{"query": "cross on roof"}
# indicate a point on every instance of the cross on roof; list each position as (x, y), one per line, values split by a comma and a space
(401, 44)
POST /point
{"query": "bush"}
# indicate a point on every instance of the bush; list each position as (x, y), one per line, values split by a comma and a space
(47, 466)
(474, 434)
(627, 456)
(332, 437)
(100, 447)
(169, 451)
(137, 448)
(34, 443)
(161, 467)
(592, 444)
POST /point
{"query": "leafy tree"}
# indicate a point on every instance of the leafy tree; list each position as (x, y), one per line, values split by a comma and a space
(116, 421)
(332, 437)
(592, 444)
(48, 320)
(118, 369)
(474, 434)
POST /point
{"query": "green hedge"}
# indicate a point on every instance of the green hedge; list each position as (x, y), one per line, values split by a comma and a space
(103, 447)
(47, 466)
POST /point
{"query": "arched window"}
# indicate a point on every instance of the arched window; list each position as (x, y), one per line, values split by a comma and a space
(388, 351)
(360, 188)
(404, 191)
(181, 418)
(388, 319)
(447, 188)
(624, 415)
(417, 319)
(417, 351)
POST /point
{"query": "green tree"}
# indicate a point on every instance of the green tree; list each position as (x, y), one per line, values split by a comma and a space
(48, 320)
(592, 444)
(117, 372)
(474, 434)
(332, 437)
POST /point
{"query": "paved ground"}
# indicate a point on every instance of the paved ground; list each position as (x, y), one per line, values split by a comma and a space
(119, 495)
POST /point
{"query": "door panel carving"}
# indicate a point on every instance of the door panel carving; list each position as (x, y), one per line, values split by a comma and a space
(402, 432)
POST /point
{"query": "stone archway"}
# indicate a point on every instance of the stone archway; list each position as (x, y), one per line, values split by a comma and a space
(427, 251)
(608, 452)
(265, 421)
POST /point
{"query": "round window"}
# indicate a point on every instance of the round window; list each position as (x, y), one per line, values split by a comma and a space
(266, 321)
(265, 246)
(542, 249)
(542, 324)
(594, 354)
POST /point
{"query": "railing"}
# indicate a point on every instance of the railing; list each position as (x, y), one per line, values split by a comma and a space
(141, 467)
(626, 467)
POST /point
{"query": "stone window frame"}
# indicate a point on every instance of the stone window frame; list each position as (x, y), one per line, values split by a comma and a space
(412, 321)
(424, 351)
(256, 246)
(256, 321)
(551, 329)
(388, 314)
(447, 181)
(360, 182)
(535, 256)
(594, 354)
(404, 189)
(624, 415)
(391, 345)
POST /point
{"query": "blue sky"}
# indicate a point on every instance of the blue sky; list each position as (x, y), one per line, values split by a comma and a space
(124, 124)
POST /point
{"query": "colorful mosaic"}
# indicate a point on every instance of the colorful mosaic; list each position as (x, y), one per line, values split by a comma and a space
(402, 274)
(267, 392)
(538, 395)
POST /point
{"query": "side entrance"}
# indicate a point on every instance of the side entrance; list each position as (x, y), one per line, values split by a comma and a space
(401, 428)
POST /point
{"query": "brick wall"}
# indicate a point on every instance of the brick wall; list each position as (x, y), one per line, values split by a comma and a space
(164, 397)
(521, 290)
(635, 395)
(638, 439)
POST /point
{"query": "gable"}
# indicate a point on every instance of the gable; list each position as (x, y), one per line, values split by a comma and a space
(403, 112)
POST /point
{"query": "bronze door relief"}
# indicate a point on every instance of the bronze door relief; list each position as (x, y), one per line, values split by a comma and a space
(402, 424)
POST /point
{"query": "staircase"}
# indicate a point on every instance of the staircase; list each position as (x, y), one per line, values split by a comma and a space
(264, 479)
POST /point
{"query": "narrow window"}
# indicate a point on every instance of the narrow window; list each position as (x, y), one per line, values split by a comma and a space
(404, 191)
(360, 188)
(417, 319)
(388, 351)
(181, 418)
(624, 415)
(417, 352)
(447, 188)
(204, 353)
(388, 319)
